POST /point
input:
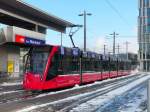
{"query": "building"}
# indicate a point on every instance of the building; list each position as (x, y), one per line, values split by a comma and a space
(26, 26)
(144, 34)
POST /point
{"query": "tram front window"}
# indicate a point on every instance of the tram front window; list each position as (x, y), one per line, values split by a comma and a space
(37, 60)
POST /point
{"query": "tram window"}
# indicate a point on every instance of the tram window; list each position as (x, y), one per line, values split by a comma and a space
(105, 65)
(36, 59)
(53, 70)
(60, 68)
(86, 64)
(112, 66)
(75, 65)
(90, 65)
(39, 61)
(97, 65)
(68, 65)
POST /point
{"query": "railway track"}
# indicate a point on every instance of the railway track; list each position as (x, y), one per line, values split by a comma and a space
(10, 88)
(11, 96)
(24, 99)
(69, 103)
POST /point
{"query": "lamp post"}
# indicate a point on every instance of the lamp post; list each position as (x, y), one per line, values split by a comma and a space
(114, 34)
(104, 49)
(84, 14)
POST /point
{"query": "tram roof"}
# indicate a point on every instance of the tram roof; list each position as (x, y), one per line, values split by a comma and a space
(17, 11)
(67, 51)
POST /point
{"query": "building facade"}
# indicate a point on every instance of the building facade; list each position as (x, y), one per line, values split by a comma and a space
(26, 26)
(144, 34)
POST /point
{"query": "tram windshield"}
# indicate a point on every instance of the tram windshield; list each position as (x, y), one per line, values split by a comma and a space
(37, 59)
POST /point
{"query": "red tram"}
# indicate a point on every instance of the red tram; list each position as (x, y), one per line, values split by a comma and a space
(52, 67)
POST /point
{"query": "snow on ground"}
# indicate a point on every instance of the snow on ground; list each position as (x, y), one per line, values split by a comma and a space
(10, 83)
(30, 108)
(10, 92)
(132, 101)
(104, 101)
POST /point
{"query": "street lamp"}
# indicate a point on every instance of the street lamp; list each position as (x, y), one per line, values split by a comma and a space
(84, 15)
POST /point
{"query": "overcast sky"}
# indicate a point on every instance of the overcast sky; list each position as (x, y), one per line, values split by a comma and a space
(107, 16)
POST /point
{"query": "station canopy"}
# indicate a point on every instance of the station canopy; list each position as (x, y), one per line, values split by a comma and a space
(21, 14)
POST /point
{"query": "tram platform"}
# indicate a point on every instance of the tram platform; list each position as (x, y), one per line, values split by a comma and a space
(8, 79)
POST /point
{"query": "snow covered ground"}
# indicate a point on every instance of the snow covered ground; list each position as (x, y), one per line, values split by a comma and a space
(132, 101)
(10, 83)
(129, 98)
(90, 105)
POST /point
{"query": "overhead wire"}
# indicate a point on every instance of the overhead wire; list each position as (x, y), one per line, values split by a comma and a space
(117, 12)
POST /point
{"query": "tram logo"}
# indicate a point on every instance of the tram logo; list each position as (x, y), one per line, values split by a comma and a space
(20, 39)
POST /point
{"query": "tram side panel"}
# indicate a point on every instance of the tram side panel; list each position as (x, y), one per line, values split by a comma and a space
(65, 71)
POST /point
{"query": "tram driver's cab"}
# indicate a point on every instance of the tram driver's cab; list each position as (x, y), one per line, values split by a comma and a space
(39, 61)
